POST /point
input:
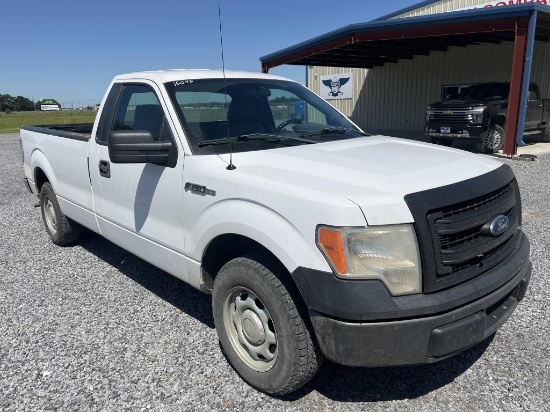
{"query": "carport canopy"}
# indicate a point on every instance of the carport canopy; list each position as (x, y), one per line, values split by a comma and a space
(371, 44)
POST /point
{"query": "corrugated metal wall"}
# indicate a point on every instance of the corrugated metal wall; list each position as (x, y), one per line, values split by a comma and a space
(441, 7)
(394, 97)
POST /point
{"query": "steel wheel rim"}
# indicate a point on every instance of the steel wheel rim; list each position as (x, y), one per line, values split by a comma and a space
(50, 216)
(493, 139)
(250, 329)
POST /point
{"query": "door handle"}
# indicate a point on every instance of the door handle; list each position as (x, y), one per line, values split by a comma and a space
(104, 168)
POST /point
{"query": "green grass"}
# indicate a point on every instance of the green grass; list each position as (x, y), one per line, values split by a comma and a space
(11, 123)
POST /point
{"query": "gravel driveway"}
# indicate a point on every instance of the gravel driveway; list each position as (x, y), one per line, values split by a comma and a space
(92, 327)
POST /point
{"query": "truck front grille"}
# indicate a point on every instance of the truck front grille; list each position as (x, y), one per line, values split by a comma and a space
(451, 116)
(449, 222)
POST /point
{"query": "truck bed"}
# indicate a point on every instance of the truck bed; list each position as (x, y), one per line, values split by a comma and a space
(76, 131)
(61, 151)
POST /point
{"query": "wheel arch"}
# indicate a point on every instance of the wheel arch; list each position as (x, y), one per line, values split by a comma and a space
(500, 120)
(40, 178)
(42, 170)
(234, 228)
(225, 248)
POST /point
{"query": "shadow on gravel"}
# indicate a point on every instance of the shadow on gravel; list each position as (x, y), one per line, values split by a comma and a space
(336, 382)
(162, 284)
(346, 384)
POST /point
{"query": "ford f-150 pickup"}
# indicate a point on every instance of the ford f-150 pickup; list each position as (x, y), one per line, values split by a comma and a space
(314, 239)
(479, 113)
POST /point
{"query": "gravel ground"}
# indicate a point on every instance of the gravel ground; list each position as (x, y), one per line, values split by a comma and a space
(91, 327)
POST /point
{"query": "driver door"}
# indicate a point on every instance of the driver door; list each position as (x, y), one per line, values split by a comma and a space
(139, 206)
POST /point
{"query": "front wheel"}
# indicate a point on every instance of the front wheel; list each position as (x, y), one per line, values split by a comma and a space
(262, 328)
(492, 141)
(62, 230)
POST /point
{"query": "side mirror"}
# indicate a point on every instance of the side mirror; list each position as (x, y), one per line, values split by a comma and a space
(138, 146)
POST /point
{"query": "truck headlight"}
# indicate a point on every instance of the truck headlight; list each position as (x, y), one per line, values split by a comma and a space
(386, 253)
(429, 113)
(477, 114)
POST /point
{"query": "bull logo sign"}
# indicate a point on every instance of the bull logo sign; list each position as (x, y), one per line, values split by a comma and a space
(337, 86)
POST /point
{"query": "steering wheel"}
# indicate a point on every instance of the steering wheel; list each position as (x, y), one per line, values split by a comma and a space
(284, 124)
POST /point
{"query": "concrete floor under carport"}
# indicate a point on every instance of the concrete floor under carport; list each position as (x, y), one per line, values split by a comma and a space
(533, 145)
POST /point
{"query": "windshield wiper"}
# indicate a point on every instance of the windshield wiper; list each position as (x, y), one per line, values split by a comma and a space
(271, 138)
(333, 130)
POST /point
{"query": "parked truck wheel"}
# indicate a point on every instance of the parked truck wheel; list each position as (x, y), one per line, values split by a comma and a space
(441, 141)
(262, 328)
(492, 141)
(545, 136)
(62, 230)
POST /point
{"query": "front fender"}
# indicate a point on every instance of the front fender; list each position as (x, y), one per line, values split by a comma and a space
(259, 223)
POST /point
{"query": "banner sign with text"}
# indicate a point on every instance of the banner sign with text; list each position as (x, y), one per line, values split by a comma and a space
(500, 3)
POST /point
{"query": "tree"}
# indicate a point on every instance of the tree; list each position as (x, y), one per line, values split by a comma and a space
(23, 104)
(6, 102)
(19, 103)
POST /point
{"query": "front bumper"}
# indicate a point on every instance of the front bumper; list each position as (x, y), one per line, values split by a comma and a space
(457, 131)
(357, 328)
(415, 341)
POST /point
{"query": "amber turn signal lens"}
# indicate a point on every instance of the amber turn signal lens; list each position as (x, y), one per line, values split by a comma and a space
(332, 244)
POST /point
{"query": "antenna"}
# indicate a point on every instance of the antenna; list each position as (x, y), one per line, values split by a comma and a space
(230, 166)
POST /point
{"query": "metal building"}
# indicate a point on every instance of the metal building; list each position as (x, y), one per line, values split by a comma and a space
(401, 62)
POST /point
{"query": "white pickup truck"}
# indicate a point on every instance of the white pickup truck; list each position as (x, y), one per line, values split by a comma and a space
(315, 239)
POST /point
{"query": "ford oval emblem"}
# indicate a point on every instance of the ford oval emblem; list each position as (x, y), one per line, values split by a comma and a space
(498, 225)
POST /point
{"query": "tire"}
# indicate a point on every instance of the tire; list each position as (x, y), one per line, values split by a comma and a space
(441, 141)
(62, 230)
(492, 141)
(545, 136)
(262, 326)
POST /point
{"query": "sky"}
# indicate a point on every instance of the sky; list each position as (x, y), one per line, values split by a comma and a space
(71, 50)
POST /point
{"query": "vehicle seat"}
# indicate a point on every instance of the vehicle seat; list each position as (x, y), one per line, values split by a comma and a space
(242, 117)
(148, 117)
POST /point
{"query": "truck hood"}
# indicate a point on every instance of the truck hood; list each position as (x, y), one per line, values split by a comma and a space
(374, 172)
(455, 103)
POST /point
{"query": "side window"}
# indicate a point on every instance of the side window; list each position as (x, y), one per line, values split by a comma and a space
(138, 108)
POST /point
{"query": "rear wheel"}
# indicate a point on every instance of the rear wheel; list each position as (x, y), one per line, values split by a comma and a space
(545, 136)
(62, 230)
(492, 141)
(262, 328)
(441, 141)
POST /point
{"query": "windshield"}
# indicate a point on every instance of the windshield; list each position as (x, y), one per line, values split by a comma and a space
(485, 91)
(226, 110)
